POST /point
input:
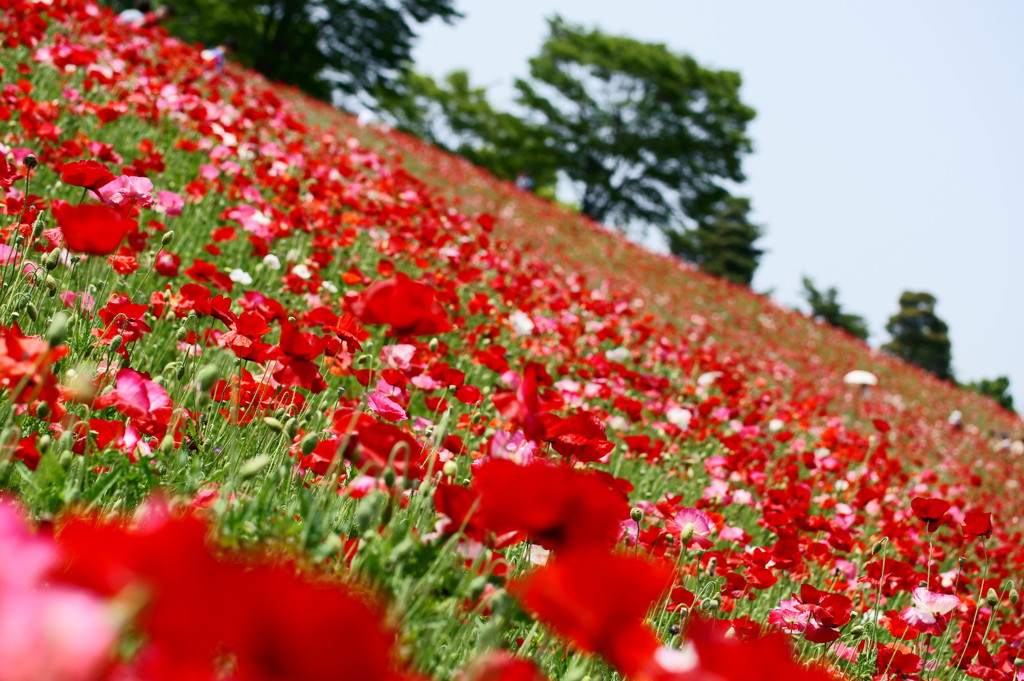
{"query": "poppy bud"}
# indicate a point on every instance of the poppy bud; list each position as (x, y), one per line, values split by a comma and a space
(674, 630)
(636, 514)
(432, 345)
(253, 466)
(52, 258)
(30, 161)
(450, 468)
(992, 598)
(877, 548)
(167, 445)
(206, 377)
(389, 477)
(31, 311)
(9, 435)
(37, 227)
(57, 330)
(273, 423)
(51, 284)
(687, 535)
(712, 604)
(291, 428)
(166, 239)
(43, 410)
(366, 513)
(44, 443)
(309, 443)
(66, 440)
(116, 342)
(1014, 596)
(65, 459)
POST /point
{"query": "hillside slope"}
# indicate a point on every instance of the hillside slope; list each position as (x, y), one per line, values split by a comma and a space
(518, 430)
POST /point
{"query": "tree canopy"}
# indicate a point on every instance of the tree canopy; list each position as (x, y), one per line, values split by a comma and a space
(647, 135)
(997, 388)
(323, 47)
(722, 243)
(457, 116)
(919, 336)
(825, 307)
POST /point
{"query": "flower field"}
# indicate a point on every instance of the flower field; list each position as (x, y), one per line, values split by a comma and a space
(287, 397)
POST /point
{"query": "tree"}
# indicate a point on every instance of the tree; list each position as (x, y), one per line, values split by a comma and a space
(324, 47)
(825, 307)
(919, 336)
(998, 389)
(646, 134)
(722, 243)
(458, 117)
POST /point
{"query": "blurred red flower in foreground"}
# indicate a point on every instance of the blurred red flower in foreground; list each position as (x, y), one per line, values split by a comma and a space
(555, 506)
(91, 228)
(930, 511)
(500, 665)
(711, 655)
(197, 606)
(410, 307)
(598, 600)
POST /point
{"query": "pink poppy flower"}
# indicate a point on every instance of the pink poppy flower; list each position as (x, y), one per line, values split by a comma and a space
(128, 190)
(171, 203)
(693, 527)
(386, 408)
(927, 613)
(790, 616)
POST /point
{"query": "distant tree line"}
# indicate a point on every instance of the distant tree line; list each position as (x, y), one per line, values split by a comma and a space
(917, 335)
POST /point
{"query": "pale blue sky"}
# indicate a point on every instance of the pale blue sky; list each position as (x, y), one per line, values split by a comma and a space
(889, 141)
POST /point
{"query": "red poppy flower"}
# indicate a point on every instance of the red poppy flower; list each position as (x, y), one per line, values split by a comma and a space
(930, 511)
(598, 600)
(8, 173)
(728, 658)
(85, 173)
(556, 506)
(410, 307)
(581, 437)
(91, 228)
(25, 363)
(500, 665)
(977, 524)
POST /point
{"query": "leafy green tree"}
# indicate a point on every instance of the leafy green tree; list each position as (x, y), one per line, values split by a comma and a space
(919, 336)
(458, 117)
(647, 135)
(722, 243)
(998, 389)
(323, 47)
(825, 307)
